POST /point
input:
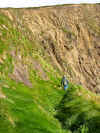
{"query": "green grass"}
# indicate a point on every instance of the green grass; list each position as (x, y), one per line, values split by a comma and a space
(31, 109)
(43, 107)
(78, 111)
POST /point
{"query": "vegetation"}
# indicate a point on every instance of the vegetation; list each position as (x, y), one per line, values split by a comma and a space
(44, 107)
(25, 109)
(79, 111)
(28, 109)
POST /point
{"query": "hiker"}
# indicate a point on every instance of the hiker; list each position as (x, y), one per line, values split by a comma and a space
(64, 82)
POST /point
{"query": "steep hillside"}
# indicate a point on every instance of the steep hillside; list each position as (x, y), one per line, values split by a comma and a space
(26, 100)
(69, 35)
(79, 111)
(37, 46)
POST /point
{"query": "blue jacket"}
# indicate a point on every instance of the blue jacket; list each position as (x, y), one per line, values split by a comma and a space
(64, 81)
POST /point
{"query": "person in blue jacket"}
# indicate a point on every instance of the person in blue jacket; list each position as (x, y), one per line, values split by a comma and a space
(64, 82)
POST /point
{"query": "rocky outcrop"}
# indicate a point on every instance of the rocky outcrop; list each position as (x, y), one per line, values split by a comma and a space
(69, 35)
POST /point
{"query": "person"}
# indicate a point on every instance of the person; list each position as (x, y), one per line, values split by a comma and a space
(64, 82)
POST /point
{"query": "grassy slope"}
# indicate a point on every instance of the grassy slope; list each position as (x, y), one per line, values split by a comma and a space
(79, 110)
(25, 109)
(32, 110)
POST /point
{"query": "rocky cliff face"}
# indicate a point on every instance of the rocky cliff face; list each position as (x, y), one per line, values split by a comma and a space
(69, 37)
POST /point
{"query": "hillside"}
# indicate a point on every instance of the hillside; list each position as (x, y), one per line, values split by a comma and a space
(69, 35)
(37, 46)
